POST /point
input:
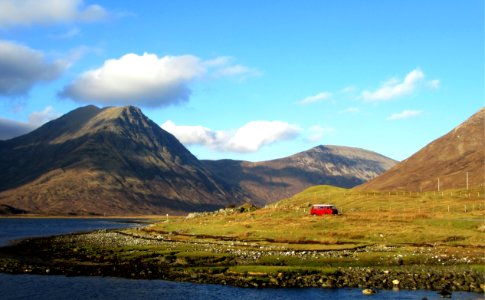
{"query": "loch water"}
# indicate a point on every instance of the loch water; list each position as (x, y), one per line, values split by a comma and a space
(12, 229)
(62, 287)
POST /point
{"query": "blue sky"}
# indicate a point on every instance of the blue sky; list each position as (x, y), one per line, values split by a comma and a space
(250, 80)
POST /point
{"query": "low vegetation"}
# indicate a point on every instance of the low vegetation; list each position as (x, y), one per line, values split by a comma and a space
(453, 217)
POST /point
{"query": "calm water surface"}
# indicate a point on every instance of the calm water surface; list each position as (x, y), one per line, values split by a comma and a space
(12, 229)
(61, 287)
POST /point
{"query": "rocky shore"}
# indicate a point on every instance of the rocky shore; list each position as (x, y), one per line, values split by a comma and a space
(139, 255)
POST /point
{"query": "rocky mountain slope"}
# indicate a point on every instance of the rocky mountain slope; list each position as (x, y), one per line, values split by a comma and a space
(448, 158)
(273, 180)
(106, 161)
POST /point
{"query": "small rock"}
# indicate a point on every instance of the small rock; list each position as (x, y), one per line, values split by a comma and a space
(368, 292)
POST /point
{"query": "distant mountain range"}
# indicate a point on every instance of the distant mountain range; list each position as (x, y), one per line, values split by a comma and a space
(116, 161)
(282, 178)
(448, 162)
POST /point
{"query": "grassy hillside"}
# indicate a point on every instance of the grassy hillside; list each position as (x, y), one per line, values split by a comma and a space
(453, 217)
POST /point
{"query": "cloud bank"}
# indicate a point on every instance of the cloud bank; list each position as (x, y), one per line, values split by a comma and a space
(249, 138)
(145, 80)
(10, 128)
(22, 67)
(30, 12)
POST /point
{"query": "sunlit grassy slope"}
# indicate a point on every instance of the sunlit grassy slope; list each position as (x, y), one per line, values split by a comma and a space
(452, 217)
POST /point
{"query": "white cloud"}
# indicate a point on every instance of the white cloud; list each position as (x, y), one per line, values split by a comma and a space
(145, 80)
(10, 128)
(405, 114)
(29, 12)
(317, 132)
(394, 88)
(22, 67)
(249, 138)
(252, 136)
(237, 70)
(316, 98)
(191, 135)
(38, 118)
(223, 67)
(219, 61)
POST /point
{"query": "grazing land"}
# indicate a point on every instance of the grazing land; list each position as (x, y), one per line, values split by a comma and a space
(446, 218)
(380, 240)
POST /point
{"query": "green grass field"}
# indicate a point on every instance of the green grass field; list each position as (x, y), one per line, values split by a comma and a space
(452, 217)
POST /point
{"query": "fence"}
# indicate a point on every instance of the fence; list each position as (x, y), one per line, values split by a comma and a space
(400, 201)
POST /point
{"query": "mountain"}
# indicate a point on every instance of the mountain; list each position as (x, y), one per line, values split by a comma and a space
(114, 160)
(273, 180)
(449, 158)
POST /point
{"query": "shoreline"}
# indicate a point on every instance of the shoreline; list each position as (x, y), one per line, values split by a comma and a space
(135, 254)
(34, 216)
(363, 278)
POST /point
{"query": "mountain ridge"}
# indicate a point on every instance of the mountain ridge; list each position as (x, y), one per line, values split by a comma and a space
(116, 161)
(449, 160)
(281, 178)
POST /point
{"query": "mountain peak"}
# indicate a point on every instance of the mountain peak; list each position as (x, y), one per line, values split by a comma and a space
(89, 120)
(272, 180)
(112, 160)
(118, 111)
